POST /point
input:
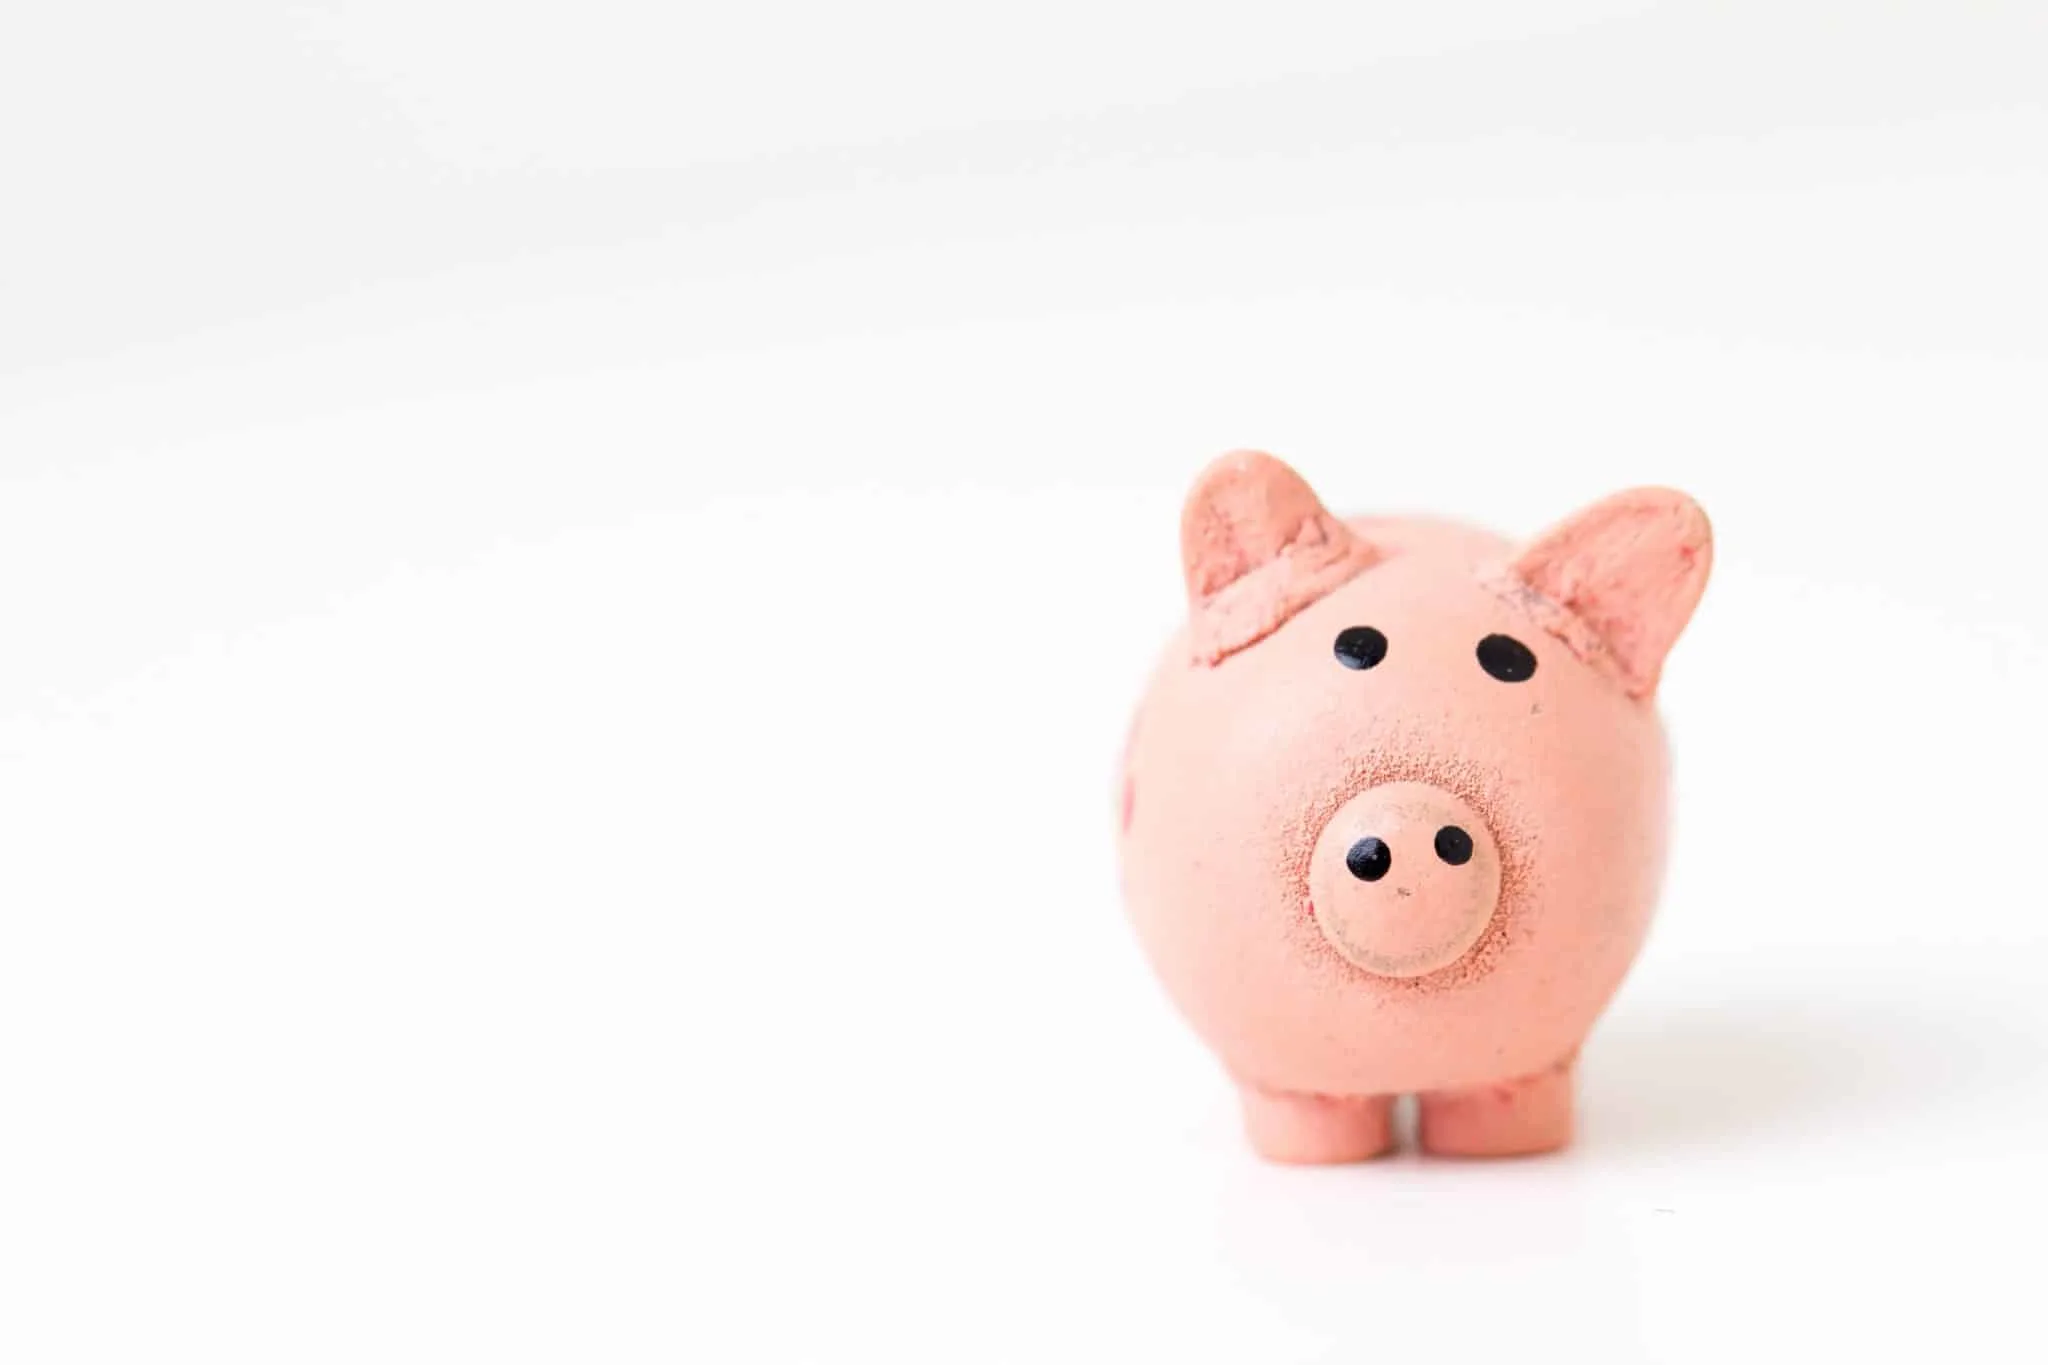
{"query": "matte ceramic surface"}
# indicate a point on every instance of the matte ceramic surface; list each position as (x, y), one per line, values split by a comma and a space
(1392, 808)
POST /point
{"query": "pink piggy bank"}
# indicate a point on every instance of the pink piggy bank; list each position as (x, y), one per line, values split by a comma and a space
(1393, 805)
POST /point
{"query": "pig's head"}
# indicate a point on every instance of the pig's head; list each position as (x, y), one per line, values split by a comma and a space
(1420, 727)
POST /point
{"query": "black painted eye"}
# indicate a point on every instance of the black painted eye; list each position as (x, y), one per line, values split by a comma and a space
(1369, 859)
(1454, 845)
(1360, 647)
(1506, 658)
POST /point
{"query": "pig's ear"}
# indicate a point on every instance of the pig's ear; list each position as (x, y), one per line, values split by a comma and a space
(1257, 547)
(1618, 581)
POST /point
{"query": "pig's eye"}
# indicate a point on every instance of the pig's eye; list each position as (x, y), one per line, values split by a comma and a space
(1506, 658)
(1360, 647)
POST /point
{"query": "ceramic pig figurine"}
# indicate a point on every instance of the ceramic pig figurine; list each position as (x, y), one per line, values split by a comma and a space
(1393, 805)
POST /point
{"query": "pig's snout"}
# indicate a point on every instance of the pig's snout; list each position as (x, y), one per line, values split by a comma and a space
(1404, 879)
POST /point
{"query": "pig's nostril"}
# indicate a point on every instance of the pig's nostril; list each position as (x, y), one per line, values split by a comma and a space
(1454, 845)
(1369, 859)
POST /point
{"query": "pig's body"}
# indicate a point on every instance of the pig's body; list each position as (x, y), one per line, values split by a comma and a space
(1386, 868)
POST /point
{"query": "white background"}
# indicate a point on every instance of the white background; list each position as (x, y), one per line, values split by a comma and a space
(571, 578)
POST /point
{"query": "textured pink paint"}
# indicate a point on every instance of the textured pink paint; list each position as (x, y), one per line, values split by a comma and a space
(1264, 760)
(1257, 547)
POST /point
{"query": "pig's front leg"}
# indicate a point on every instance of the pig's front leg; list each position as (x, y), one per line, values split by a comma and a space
(1506, 1118)
(1317, 1130)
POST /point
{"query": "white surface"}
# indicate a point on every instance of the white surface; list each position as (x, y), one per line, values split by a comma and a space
(571, 587)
